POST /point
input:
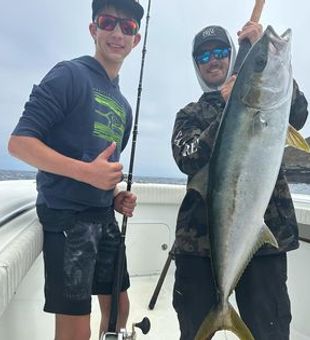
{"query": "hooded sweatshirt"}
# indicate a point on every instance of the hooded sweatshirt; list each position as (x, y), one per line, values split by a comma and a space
(204, 86)
(77, 111)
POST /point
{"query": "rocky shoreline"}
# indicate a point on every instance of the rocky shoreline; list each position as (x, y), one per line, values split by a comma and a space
(298, 175)
(297, 165)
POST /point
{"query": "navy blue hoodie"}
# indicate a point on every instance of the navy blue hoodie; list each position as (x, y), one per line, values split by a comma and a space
(78, 111)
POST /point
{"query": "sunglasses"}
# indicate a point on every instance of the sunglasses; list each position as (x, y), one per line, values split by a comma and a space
(217, 53)
(108, 23)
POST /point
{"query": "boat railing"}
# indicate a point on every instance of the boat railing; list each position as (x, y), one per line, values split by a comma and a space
(302, 210)
(16, 212)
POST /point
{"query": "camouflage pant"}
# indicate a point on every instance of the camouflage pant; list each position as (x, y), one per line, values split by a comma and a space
(261, 296)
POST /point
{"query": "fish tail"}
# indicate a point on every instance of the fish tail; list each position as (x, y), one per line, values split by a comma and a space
(226, 318)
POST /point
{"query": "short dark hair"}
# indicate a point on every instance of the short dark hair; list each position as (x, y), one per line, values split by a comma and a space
(132, 7)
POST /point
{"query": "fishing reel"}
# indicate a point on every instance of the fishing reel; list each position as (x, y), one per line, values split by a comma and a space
(144, 325)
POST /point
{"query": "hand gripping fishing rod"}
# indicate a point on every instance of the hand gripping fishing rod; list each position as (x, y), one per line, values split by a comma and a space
(144, 325)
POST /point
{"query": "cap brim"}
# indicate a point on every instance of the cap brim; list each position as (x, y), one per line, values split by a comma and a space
(197, 48)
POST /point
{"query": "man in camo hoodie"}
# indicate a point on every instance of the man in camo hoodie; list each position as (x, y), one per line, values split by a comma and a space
(261, 293)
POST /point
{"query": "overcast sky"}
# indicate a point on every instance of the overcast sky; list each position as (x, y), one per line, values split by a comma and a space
(36, 34)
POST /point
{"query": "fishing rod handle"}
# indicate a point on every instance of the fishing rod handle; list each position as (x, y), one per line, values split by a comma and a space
(160, 282)
(144, 325)
(257, 10)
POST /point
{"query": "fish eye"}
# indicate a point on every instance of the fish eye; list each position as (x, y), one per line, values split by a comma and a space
(260, 63)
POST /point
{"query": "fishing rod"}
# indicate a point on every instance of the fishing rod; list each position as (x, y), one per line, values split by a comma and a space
(162, 277)
(144, 325)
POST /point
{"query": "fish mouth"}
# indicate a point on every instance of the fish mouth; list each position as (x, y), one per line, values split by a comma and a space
(275, 52)
(279, 41)
(286, 36)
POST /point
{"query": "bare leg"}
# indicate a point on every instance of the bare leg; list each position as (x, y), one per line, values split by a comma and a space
(71, 327)
(105, 306)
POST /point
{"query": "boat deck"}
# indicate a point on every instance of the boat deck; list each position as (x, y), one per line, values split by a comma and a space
(25, 310)
(24, 318)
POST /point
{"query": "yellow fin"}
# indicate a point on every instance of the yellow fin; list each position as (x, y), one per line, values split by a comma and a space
(296, 140)
(268, 237)
(223, 318)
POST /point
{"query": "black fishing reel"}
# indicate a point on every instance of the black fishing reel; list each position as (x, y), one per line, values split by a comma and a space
(144, 325)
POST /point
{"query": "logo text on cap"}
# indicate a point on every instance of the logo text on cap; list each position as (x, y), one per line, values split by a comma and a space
(209, 31)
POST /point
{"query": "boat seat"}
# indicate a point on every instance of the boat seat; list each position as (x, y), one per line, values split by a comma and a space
(21, 243)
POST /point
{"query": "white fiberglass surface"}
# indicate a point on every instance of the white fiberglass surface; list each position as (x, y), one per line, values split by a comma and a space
(24, 318)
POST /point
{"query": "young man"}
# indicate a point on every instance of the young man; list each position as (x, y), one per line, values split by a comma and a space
(261, 293)
(73, 129)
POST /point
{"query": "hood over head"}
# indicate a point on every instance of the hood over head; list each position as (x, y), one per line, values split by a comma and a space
(213, 33)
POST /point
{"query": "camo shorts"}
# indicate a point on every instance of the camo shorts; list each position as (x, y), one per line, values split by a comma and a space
(79, 261)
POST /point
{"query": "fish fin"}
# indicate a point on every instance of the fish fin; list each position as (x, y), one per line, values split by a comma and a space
(268, 237)
(259, 124)
(223, 319)
(296, 140)
(265, 236)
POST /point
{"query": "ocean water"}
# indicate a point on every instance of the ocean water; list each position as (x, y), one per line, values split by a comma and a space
(16, 174)
(300, 188)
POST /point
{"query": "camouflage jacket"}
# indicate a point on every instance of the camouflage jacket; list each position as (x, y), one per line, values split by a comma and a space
(192, 141)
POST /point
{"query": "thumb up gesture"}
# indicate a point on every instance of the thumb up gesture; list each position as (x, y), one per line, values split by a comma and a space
(102, 173)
